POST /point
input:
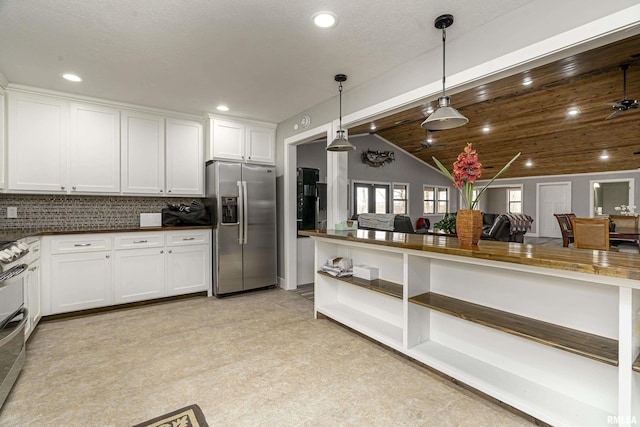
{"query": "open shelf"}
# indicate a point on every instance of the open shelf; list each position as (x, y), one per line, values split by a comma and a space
(542, 402)
(378, 285)
(592, 346)
(373, 327)
(636, 364)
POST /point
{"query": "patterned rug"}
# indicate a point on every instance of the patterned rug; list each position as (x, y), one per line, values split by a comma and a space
(190, 416)
(306, 291)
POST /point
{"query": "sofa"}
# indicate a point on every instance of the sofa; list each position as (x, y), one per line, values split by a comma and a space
(505, 227)
(401, 224)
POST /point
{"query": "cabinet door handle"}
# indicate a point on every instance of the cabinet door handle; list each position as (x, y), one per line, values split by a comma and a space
(82, 245)
(188, 238)
(140, 241)
(73, 188)
(161, 191)
(161, 252)
(108, 256)
(170, 251)
(62, 187)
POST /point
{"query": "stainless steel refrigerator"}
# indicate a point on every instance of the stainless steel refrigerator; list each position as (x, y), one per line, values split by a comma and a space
(242, 202)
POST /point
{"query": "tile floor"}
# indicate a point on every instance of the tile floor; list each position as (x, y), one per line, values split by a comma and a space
(252, 360)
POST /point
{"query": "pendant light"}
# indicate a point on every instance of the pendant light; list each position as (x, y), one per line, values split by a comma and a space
(445, 116)
(340, 143)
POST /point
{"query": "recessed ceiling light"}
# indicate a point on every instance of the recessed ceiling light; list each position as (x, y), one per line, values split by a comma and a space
(222, 108)
(573, 112)
(604, 156)
(529, 163)
(373, 126)
(486, 129)
(429, 139)
(71, 77)
(324, 19)
(527, 81)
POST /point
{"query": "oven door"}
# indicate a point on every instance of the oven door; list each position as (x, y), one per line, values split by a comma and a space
(13, 319)
(12, 352)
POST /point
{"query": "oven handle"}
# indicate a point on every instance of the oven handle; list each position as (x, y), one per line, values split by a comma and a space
(23, 270)
(25, 313)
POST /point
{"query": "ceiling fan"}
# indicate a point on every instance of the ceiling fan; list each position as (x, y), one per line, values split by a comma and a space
(624, 104)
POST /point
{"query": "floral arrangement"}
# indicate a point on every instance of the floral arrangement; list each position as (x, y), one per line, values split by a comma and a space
(466, 170)
(626, 209)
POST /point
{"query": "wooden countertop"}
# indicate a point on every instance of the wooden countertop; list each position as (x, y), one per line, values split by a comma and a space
(10, 234)
(603, 263)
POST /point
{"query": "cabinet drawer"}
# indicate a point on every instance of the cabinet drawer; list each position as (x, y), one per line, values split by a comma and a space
(139, 240)
(188, 237)
(80, 243)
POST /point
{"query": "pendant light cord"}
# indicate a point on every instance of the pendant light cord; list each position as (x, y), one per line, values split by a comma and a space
(340, 89)
(444, 38)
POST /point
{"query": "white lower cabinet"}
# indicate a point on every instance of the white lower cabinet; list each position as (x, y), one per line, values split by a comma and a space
(187, 269)
(139, 275)
(97, 270)
(80, 281)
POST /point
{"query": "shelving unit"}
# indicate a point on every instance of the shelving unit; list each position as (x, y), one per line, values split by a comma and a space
(592, 346)
(378, 285)
(558, 345)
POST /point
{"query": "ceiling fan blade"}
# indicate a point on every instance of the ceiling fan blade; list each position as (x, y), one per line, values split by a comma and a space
(612, 115)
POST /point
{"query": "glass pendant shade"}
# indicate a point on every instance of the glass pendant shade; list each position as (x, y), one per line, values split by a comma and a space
(444, 117)
(340, 143)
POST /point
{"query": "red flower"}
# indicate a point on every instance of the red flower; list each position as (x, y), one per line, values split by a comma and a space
(466, 168)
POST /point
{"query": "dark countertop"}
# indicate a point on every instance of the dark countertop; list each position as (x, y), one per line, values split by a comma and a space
(602, 263)
(10, 234)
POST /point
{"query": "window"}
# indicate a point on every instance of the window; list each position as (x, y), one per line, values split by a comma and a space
(371, 198)
(400, 199)
(514, 196)
(436, 200)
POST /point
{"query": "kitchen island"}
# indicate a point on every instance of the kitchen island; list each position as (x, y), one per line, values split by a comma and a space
(553, 332)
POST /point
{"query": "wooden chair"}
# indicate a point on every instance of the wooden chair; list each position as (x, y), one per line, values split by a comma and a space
(566, 228)
(625, 221)
(591, 233)
(628, 222)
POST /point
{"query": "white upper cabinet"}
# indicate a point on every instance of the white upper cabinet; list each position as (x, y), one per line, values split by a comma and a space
(94, 154)
(57, 145)
(261, 145)
(38, 138)
(142, 139)
(185, 157)
(228, 140)
(251, 142)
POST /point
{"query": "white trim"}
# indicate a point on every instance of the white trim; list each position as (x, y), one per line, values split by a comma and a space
(435, 201)
(3, 81)
(540, 184)
(630, 181)
(104, 102)
(408, 199)
(504, 181)
(509, 189)
(289, 282)
(269, 125)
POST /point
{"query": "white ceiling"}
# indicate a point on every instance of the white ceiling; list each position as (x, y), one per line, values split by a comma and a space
(264, 59)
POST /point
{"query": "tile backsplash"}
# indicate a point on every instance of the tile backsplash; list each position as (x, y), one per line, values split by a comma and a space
(62, 212)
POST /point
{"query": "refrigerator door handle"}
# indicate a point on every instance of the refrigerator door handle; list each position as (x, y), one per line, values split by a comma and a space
(245, 212)
(241, 206)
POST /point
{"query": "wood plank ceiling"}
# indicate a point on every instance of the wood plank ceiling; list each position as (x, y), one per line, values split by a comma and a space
(533, 119)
